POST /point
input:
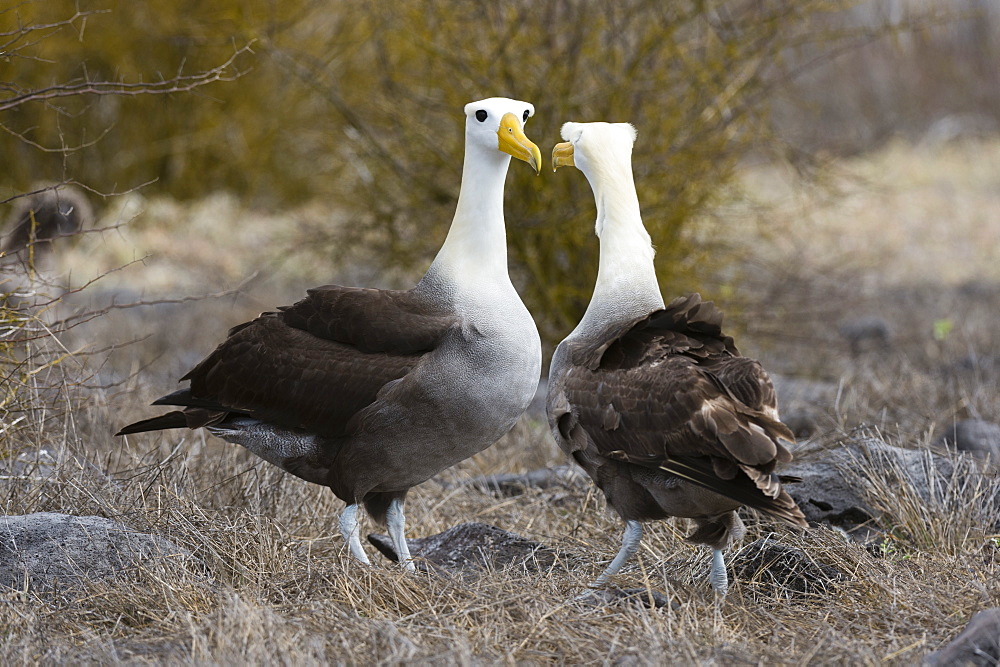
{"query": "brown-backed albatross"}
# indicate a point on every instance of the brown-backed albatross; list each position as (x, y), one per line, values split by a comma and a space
(371, 392)
(654, 402)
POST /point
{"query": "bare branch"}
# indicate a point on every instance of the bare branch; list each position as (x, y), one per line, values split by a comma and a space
(178, 84)
(65, 182)
(11, 47)
(65, 150)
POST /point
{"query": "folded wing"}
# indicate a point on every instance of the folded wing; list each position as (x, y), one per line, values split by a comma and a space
(314, 365)
(670, 391)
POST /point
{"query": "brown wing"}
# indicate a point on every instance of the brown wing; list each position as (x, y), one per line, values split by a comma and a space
(370, 320)
(681, 385)
(671, 408)
(315, 364)
(652, 397)
(747, 381)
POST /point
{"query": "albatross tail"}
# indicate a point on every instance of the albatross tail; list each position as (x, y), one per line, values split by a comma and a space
(173, 419)
(742, 489)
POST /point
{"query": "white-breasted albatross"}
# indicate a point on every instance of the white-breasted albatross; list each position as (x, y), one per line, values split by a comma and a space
(371, 392)
(654, 402)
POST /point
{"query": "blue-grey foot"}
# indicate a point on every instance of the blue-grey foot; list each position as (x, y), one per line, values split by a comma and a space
(396, 524)
(630, 544)
(349, 528)
(717, 574)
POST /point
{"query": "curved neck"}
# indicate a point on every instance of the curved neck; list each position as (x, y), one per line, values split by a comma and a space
(477, 240)
(626, 278)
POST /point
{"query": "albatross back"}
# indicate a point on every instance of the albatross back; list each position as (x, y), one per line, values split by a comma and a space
(647, 403)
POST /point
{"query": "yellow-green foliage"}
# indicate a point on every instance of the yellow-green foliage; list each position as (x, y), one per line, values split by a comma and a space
(224, 136)
(359, 104)
(692, 76)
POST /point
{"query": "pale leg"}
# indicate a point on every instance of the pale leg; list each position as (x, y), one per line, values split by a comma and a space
(717, 575)
(352, 534)
(630, 544)
(396, 523)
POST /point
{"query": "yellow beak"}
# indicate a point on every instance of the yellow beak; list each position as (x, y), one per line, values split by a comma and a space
(514, 143)
(562, 155)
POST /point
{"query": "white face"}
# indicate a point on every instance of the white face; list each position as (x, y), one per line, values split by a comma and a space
(598, 141)
(483, 118)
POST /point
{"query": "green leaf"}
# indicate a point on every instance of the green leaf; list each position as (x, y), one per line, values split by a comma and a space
(942, 328)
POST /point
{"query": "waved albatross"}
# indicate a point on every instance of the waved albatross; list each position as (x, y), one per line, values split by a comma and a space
(654, 402)
(371, 392)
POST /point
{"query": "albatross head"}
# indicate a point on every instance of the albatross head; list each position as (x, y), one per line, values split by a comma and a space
(497, 123)
(603, 152)
(626, 278)
(594, 148)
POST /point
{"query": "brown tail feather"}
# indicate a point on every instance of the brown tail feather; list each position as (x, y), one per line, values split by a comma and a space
(769, 484)
(743, 489)
(173, 419)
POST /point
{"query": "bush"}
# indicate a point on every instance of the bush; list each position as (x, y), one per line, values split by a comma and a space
(693, 77)
(358, 105)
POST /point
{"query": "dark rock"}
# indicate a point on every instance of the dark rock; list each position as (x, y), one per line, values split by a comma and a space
(776, 570)
(976, 288)
(865, 334)
(44, 216)
(794, 392)
(974, 363)
(980, 437)
(831, 491)
(470, 548)
(977, 644)
(804, 422)
(825, 496)
(562, 477)
(51, 550)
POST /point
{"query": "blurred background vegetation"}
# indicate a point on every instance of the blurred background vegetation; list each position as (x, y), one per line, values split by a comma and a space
(355, 107)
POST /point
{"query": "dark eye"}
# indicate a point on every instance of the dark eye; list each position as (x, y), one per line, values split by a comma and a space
(481, 115)
(525, 116)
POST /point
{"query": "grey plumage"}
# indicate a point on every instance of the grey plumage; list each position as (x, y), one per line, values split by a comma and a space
(371, 392)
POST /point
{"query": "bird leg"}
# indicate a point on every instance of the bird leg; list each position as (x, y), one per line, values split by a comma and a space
(352, 534)
(717, 574)
(630, 544)
(396, 523)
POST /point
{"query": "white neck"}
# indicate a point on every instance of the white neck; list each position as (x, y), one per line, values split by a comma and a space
(476, 247)
(626, 279)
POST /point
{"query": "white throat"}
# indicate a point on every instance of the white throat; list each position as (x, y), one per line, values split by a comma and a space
(475, 250)
(626, 278)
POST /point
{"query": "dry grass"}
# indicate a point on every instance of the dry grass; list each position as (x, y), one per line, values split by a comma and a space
(282, 590)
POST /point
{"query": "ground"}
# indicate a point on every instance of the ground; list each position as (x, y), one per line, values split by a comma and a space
(906, 235)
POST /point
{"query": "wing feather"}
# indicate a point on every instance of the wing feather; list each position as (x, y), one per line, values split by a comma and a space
(316, 364)
(371, 320)
(671, 391)
(747, 381)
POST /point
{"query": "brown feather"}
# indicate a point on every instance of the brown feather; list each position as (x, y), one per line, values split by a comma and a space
(316, 364)
(670, 391)
(370, 320)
